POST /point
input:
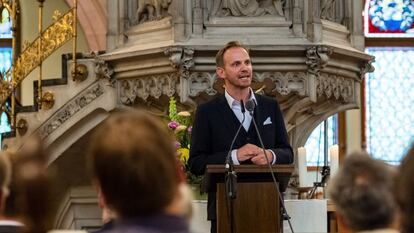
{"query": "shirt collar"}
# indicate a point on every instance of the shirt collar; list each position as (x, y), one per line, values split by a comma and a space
(232, 102)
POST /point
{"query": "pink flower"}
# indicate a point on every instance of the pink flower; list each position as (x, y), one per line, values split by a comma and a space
(190, 129)
(173, 125)
(177, 145)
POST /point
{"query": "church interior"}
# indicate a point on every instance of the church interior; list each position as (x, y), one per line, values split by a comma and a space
(341, 71)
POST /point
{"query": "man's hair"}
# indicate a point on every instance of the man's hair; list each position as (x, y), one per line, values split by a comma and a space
(132, 158)
(405, 192)
(362, 191)
(5, 172)
(220, 53)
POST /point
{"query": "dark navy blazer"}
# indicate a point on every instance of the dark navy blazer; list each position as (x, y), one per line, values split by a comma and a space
(215, 126)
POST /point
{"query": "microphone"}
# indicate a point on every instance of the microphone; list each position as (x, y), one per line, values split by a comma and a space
(250, 105)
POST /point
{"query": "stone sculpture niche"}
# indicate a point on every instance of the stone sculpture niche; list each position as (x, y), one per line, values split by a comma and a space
(224, 8)
(149, 10)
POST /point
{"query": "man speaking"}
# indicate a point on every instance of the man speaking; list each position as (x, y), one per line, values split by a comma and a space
(217, 121)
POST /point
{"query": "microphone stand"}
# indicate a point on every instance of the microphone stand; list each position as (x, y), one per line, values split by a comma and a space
(231, 190)
(250, 105)
(326, 170)
(231, 175)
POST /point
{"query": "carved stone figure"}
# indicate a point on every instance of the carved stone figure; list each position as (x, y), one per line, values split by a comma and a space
(248, 7)
(151, 9)
(278, 6)
(327, 7)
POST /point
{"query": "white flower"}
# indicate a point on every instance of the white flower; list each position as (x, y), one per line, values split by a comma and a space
(184, 114)
(180, 128)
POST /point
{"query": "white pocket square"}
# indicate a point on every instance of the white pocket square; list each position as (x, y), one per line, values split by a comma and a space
(267, 121)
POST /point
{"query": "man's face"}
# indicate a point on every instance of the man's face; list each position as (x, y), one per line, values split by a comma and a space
(237, 71)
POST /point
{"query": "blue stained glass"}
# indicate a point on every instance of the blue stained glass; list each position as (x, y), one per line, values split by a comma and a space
(389, 18)
(4, 124)
(5, 24)
(5, 58)
(389, 103)
(5, 64)
(5, 61)
(315, 144)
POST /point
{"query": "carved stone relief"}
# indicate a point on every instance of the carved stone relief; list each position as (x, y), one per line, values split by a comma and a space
(328, 10)
(104, 71)
(71, 108)
(202, 82)
(153, 86)
(285, 83)
(181, 59)
(149, 10)
(367, 67)
(223, 8)
(334, 86)
(317, 58)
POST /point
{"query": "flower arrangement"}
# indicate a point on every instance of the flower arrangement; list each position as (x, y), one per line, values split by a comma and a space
(180, 124)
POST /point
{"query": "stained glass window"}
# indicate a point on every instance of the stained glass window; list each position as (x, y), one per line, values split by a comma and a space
(390, 103)
(5, 24)
(315, 143)
(389, 18)
(5, 64)
(4, 124)
(5, 58)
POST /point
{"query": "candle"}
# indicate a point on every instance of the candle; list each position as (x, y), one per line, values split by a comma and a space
(334, 155)
(302, 166)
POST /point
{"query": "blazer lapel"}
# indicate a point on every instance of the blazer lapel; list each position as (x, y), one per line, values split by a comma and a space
(227, 115)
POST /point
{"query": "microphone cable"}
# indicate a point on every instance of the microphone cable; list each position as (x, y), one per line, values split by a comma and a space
(250, 105)
(231, 176)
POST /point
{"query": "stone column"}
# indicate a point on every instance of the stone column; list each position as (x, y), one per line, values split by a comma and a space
(314, 30)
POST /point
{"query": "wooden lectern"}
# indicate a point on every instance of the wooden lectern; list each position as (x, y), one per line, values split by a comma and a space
(256, 207)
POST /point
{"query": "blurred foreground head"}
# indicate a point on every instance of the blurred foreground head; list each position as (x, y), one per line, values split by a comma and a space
(132, 160)
(362, 191)
(405, 192)
(32, 187)
(5, 178)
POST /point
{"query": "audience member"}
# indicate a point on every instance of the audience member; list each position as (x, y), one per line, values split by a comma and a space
(108, 216)
(132, 161)
(34, 182)
(405, 192)
(362, 192)
(7, 224)
(34, 196)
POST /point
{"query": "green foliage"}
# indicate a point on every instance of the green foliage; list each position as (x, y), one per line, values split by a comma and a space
(181, 124)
